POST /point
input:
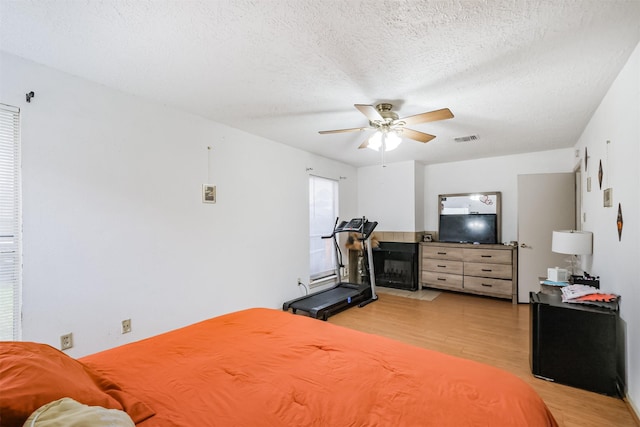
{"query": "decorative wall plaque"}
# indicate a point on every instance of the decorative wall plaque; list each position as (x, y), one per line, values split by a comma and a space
(586, 158)
(619, 222)
(600, 174)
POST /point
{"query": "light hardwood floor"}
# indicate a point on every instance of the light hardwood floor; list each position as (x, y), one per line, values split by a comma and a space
(487, 330)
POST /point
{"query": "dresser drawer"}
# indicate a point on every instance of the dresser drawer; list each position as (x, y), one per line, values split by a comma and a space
(442, 266)
(498, 271)
(488, 286)
(492, 256)
(441, 252)
(441, 280)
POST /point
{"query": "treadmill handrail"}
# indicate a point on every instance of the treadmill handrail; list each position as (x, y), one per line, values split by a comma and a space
(335, 227)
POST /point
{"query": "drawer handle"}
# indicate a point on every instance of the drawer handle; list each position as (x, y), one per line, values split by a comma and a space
(442, 266)
(486, 269)
(487, 285)
(442, 253)
(441, 279)
(486, 256)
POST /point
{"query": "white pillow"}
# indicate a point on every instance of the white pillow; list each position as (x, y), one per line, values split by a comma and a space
(66, 412)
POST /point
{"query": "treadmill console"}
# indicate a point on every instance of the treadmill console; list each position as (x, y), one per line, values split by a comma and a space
(369, 226)
(357, 225)
(354, 225)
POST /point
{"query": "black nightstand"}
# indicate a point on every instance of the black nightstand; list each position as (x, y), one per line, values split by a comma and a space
(577, 345)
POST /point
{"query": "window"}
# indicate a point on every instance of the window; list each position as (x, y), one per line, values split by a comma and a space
(323, 211)
(10, 238)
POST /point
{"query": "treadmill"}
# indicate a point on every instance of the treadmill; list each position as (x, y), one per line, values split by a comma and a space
(321, 305)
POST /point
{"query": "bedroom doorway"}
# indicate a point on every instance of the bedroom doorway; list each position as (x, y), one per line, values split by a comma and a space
(546, 202)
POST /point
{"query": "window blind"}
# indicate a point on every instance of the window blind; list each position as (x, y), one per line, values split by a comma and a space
(323, 210)
(10, 223)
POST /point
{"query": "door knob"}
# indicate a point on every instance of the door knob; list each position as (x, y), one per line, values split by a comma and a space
(524, 245)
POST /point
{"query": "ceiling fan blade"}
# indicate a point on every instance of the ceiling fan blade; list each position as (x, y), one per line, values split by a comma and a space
(431, 116)
(370, 112)
(344, 130)
(418, 136)
(365, 144)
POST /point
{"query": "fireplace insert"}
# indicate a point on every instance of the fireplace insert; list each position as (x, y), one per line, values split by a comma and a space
(396, 265)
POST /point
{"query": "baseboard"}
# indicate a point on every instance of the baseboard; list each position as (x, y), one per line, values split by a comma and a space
(632, 409)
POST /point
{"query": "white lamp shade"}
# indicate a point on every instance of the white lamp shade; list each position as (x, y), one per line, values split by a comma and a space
(572, 242)
(375, 142)
(391, 141)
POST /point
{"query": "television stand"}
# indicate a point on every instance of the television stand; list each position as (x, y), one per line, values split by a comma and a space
(490, 270)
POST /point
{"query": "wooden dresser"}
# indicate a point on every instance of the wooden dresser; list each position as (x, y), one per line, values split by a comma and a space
(490, 270)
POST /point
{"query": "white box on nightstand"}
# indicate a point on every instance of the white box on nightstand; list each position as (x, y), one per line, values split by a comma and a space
(557, 274)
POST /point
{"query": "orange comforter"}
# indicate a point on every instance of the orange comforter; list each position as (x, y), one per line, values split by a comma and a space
(263, 367)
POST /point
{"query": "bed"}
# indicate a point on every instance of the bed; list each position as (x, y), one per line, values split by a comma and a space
(264, 367)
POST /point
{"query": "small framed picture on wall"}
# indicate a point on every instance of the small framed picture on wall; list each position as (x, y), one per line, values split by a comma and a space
(608, 197)
(208, 193)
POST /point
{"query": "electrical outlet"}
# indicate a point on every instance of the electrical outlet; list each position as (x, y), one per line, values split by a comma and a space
(126, 326)
(66, 341)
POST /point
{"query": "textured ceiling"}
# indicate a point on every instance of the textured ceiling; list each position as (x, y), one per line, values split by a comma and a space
(524, 75)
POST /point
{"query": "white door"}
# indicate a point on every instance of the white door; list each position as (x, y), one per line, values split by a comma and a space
(546, 202)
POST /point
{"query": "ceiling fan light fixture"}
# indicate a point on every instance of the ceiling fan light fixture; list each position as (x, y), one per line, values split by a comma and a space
(375, 142)
(391, 141)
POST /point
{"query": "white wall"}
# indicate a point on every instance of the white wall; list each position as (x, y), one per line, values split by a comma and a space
(114, 226)
(491, 174)
(420, 195)
(388, 194)
(617, 120)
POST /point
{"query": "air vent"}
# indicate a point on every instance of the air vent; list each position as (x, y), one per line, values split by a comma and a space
(469, 138)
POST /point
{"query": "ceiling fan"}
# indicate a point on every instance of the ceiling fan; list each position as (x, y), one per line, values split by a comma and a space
(389, 128)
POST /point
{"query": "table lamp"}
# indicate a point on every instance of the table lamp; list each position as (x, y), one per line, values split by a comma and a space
(574, 243)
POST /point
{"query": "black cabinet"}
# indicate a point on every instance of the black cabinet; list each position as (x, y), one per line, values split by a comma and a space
(576, 344)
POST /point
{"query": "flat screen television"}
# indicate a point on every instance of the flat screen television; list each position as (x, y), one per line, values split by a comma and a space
(469, 228)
